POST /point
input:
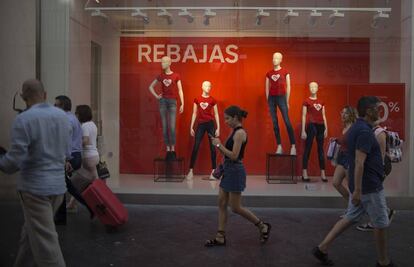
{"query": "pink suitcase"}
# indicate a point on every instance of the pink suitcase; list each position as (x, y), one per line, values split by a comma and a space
(105, 204)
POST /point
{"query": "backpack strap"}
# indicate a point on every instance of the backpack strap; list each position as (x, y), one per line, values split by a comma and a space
(377, 130)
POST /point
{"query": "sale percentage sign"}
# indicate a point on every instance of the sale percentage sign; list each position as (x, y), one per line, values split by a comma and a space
(394, 106)
(385, 114)
(388, 108)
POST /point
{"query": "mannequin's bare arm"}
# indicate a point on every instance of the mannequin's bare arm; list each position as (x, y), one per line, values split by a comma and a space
(152, 90)
(181, 94)
(304, 110)
(267, 88)
(287, 89)
(193, 118)
(325, 122)
(216, 116)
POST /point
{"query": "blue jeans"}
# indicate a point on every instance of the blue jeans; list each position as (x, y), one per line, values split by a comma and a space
(280, 101)
(168, 111)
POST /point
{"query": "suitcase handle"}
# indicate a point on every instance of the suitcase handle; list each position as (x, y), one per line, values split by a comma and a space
(100, 209)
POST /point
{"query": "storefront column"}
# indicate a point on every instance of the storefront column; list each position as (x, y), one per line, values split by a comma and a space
(54, 47)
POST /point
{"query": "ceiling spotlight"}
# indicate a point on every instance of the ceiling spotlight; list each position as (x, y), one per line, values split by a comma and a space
(313, 16)
(288, 15)
(377, 17)
(167, 15)
(98, 13)
(187, 15)
(208, 14)
(261, 14)
(139, 13)
(334, 16)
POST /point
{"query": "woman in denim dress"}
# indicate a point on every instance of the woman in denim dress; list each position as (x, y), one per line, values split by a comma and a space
(233, 182)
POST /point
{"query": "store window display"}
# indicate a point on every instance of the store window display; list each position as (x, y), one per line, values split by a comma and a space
(171, 87)
(314, 125)
(205, 112)
(277, 96)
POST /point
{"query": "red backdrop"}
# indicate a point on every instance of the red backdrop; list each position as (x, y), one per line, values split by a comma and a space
(333, 63)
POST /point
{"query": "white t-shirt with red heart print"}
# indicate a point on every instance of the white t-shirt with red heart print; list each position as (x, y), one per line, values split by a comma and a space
(205, 108)
(169, 84)
(314, 110)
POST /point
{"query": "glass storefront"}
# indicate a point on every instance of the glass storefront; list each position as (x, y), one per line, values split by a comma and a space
(107, 53)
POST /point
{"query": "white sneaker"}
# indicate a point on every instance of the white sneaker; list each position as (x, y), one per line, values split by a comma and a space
(293, 151)
(189, 175)
(211, 177)
(279, 150)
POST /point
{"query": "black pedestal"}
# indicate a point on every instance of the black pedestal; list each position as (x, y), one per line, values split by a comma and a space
(169, 170)
(280, 169)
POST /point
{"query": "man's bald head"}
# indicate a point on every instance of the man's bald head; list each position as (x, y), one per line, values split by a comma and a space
(33, 92)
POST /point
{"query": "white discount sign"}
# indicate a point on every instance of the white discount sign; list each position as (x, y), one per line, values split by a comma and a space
(190, 53)
(388, 108)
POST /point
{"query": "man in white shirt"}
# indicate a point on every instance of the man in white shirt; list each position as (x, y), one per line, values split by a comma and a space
(39, 148)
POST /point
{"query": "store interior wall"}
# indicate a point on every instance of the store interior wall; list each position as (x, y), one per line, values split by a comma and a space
(82, 31)
(18, 63)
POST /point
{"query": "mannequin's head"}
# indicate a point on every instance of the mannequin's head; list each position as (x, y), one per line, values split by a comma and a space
(165, 62)
(277, 59)
(206, 86)
(313, 88)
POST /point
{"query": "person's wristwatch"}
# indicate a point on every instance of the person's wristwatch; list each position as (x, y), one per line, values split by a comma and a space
(218, 145)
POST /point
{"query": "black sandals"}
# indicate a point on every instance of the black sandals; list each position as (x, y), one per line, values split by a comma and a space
(221, 235)
(264, 235)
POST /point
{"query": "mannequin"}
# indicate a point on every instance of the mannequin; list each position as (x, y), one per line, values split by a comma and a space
(314, 109)
(277, 95)
(170, 86)
(203, 109)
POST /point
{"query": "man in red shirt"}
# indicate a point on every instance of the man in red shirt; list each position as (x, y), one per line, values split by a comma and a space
(277, 95)
(170, 88)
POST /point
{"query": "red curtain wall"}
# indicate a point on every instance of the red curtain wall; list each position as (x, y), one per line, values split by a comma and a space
(333, 63)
